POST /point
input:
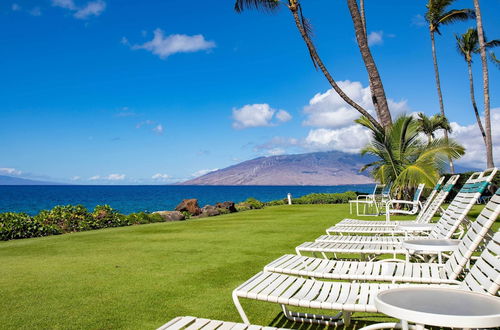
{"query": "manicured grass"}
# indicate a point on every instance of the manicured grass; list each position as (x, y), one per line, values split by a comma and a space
(142, 276)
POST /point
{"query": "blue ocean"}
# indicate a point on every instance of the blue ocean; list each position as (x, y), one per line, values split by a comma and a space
(129, 199)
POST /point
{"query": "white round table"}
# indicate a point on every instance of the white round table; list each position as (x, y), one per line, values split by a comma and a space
(442, 307)
(432, 245)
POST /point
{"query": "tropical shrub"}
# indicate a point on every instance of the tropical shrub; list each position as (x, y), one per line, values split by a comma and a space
(143, 218)
(277, 202)
(104, 216)
(325, 198)
(252, 203)
(404, 158)
(68, 218)
(21, 225)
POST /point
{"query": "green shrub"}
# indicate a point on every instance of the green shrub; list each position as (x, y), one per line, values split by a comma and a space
(141, 218)
(253, 203)
(21, 225)
(104, 217)
(68, 218)
(276, 202)
(324, 198)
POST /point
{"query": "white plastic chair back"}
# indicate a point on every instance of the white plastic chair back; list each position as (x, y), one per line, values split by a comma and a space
(484, 276)
(474, 237)
(430, 210)
(462, 204)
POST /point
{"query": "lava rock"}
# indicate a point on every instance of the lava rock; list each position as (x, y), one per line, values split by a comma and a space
(190, 206)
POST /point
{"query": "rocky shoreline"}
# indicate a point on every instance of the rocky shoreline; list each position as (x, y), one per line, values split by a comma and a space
(189, 208)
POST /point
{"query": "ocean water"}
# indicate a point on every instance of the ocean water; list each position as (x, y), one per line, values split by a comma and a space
(128, 199)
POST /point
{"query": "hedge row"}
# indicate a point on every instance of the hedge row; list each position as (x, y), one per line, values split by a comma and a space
(65, 219)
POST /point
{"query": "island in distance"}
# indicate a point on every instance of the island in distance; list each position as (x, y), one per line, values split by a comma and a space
(314, 169)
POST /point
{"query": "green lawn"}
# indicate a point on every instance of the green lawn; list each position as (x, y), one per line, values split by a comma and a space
(142, 276)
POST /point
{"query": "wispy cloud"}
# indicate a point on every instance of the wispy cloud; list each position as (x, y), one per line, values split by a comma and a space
(203, 172)
(15, 7)
(375, 38)
(36, 11)
(158, 129)
(155, 127)
(257, 115)
(164, 46)
(92, 8)
(10, 171)
(115, 177)
(95, 178)
(418, 20)
(161, 177)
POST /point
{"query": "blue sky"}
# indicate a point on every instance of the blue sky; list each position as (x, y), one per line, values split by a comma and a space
(120, 92)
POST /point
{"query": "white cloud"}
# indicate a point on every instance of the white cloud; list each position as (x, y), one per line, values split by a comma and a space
(95, 177)
(158, 129)
(161, 177)
(75, 178)
(276, 151)
(15, 7)
(164, 46)
(470, 137)
(115, 177)
(329, 110)
(94, 8)
(283, 116)
(10, 171)
(67, 4)
(418, 20)
(375, 38)
(257, 115)
(203, 172)
(36, 11)
(347, 139)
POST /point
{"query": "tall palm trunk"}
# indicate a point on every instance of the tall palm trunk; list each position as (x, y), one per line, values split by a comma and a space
(363, 17)
(377, 88)
(314, 54)
(486, 86)
(474, 105)
(440, 95)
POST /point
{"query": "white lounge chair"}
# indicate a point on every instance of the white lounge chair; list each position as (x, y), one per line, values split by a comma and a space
(414, 205)
(445, 228)
(195, 323)
(286, 290)
(427, 212)
(471, 191)
(374, 200)
(395, 271)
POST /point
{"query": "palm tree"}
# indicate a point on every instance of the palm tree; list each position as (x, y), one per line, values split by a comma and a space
(404, 158)
(486, 85)
(437, 15)
(376, 87)
(467, 45)
(304, 28)
(429, 125)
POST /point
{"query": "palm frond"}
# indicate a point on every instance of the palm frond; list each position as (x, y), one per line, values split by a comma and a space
(264, 5)
(456, 15)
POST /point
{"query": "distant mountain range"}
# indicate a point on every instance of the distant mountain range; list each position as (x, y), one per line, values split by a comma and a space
(6, 180)
(317, 168)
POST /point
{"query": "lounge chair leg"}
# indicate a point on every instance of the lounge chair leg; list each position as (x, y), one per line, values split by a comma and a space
(240, 309)
(347, 318)
(313, 318)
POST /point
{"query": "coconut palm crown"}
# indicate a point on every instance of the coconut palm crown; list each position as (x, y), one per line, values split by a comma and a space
(404, 158)
(429, 125)
(438, 14)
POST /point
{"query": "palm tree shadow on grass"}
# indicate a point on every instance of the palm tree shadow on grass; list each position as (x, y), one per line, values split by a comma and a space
(280, 321)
